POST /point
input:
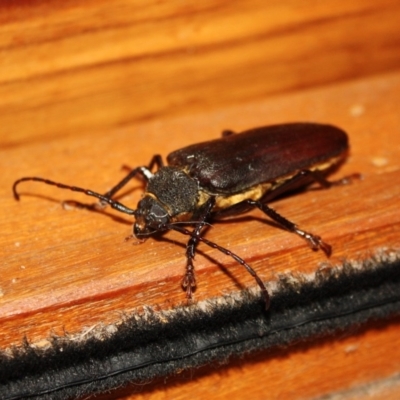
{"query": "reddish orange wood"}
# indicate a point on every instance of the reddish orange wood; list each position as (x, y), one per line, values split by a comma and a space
(70, 68)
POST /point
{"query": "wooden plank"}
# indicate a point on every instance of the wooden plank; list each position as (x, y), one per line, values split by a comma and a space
(71, 68)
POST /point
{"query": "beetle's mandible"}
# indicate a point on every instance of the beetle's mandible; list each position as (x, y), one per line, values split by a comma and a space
(208, 181)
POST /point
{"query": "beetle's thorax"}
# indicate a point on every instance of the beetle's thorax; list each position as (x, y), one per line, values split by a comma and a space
(171, 195)
(174, 189)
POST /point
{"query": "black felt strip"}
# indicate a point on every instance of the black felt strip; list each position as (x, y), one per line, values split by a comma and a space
(152, 345)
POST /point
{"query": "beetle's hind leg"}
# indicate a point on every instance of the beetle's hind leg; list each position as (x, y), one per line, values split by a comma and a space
(304, 178)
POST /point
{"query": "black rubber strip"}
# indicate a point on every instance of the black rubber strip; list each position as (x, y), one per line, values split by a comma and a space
(152, 345)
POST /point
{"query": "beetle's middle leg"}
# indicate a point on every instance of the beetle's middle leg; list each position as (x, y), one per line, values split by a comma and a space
(189, 280)
(314, 241)
(301, 179)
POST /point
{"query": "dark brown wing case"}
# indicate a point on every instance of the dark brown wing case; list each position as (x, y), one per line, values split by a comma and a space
(239, 161)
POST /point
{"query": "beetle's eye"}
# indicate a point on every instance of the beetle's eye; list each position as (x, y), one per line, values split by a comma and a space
(157, 214)
(150, 217)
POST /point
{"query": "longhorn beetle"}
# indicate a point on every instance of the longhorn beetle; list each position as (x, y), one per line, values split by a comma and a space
(211, 180)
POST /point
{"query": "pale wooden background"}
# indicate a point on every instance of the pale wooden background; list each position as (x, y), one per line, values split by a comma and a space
(87, 87)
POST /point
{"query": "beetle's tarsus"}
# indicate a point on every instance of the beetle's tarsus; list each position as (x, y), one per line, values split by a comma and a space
(347, 180)
(314, 241)
(189, 283)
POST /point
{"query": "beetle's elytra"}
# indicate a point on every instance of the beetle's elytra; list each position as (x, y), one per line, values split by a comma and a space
(208, 181)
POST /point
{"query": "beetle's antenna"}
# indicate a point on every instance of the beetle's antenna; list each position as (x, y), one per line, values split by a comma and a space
(113, 203)
(230, 254)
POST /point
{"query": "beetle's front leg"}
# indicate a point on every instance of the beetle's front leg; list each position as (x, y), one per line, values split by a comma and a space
(189, 280)
(144, 171)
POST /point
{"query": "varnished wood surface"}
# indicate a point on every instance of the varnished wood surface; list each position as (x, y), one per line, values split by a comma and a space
(69, 69)
(86, 89)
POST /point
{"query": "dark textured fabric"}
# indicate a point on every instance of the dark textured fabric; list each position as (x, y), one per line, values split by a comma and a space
(144, 347)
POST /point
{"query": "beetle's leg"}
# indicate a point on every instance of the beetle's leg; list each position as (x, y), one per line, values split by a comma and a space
(319, 177)
(314, 241)
(304, 178)
(144, 171)
(300, 180)
(227, 132)
(230, 254)
(189, 280)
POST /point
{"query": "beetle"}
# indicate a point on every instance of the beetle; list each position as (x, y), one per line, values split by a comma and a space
(224, 177)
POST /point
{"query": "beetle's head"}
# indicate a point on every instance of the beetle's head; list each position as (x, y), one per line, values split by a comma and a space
(151, 216)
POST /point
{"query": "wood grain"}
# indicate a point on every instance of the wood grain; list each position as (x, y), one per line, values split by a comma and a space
(87, 88)
(69, 69)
